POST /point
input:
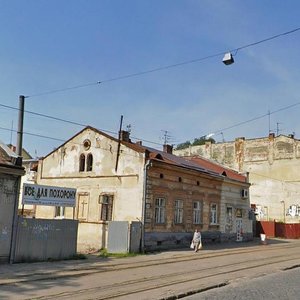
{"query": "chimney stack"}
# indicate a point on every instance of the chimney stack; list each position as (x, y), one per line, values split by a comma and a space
(124, 136)
(168, 149)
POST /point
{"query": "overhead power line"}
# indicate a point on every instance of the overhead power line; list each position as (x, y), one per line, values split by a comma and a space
(220, 131)
(68, 122)
(235, 50)
(216, 132)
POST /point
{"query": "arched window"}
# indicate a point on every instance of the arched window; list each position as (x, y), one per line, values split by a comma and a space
(89, 162)
(81, 163)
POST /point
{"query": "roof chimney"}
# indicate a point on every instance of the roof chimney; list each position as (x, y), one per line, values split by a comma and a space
(124, 136)
(168, 148)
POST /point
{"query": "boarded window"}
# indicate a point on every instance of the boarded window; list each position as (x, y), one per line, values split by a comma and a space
(89, 162)
(81, 163)
(106, 202)
(83, 206)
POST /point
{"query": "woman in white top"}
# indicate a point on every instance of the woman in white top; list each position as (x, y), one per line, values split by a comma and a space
(197, 240)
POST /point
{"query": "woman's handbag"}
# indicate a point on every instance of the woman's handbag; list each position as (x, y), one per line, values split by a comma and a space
(200, 246)
(192, 245)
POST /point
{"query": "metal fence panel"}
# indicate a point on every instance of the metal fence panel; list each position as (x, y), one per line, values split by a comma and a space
(8, 197)
(135, 237)
(117, 239)
(41, 239)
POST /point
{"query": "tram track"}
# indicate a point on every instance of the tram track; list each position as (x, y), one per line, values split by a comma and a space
(133, 287)
(100, 267)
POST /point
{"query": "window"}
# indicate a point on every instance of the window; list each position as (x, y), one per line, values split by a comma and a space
(106, 202)
(213, 214)
(81, 163)
(82, 206)
(160, 210)
(229, 215)
(197, 214)
(87, 144)
(178, 217)
(89, 162)
(59, 212)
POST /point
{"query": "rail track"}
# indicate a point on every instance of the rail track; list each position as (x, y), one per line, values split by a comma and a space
(149, 277)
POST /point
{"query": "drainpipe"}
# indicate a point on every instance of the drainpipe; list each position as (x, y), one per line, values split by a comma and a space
(146, 167)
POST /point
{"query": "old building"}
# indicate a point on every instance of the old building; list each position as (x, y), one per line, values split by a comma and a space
(272, 163)
(10, 176)
(117, 180)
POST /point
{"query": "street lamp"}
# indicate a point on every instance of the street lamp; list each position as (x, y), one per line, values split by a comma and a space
(228, 59)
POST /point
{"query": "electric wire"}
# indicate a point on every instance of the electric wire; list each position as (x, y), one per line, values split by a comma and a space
(217, 132)
(73, 123)
(136, 138)
(163, 67)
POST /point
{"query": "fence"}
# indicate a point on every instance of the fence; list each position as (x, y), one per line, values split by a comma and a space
(41, 239)
(276, 229)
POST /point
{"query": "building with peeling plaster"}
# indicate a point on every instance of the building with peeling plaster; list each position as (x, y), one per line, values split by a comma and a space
(11, 172)
(273, 165)
(117, 180)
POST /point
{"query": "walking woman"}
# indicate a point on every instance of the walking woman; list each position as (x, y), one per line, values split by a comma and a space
(197, 240)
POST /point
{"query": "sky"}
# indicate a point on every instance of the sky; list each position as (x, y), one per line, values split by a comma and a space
(157, 63)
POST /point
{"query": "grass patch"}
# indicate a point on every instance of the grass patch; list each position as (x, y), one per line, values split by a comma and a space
(104, 253)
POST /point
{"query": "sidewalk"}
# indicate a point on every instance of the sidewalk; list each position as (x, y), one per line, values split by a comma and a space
(13, 273)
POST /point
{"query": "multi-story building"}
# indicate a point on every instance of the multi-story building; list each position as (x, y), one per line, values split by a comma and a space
(117, 180)
(273, 165)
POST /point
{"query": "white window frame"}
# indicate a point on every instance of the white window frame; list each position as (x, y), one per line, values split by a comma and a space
(59, 212)
(178, 213)
(229, 216)
(197, 212)
(213, 214)
(160, 210)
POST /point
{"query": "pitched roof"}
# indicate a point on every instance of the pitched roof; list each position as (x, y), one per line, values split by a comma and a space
(193, 163)
(213, 166)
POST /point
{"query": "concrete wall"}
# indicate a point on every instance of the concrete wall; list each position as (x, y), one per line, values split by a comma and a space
(41, 240)
(9, 185)
(273, 165)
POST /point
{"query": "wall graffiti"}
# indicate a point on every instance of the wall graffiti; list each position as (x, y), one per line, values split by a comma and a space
(293, 211)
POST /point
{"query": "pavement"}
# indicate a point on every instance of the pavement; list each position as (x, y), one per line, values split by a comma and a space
(20, 272)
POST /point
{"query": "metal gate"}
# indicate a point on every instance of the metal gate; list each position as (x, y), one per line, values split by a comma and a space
(124, 237)
(117, 239)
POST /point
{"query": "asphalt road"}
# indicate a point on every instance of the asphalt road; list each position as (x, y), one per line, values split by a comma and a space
(166, 275)
(282, 285)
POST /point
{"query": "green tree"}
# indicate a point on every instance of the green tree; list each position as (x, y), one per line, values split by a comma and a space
(183, 145)
(202, 140)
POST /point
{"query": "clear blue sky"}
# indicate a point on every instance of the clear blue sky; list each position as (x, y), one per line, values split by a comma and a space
(52, 45)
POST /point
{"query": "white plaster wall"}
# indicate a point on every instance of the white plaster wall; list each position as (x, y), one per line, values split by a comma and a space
(61, 168)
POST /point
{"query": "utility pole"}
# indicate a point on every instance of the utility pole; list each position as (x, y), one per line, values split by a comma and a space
(19, 144)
